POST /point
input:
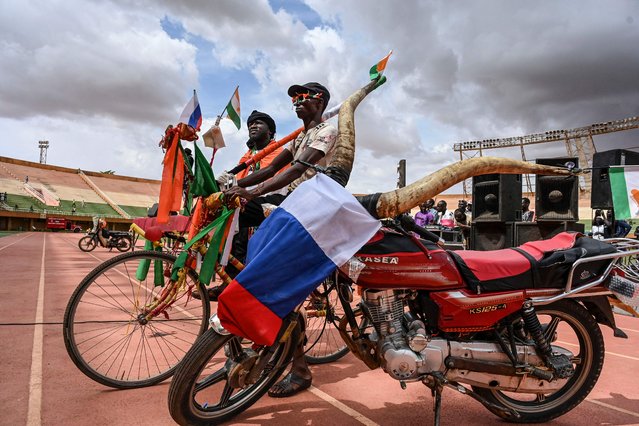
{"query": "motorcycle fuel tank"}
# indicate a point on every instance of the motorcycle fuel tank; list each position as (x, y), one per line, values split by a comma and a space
(393, 260)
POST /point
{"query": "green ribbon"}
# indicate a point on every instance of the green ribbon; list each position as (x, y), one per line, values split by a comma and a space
(210, 259)
(203, 180)
(144, 265)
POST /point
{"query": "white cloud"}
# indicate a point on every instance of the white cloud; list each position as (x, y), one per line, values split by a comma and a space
(96, 72)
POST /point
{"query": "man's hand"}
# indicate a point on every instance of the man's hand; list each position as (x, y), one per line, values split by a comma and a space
(226, 180)
(237, 191)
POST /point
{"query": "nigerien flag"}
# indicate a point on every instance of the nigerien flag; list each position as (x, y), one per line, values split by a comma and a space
(233, 109)
(624, 184)
(317, 228)
(377, 70)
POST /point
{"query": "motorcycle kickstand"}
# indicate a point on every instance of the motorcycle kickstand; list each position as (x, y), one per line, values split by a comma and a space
(442, 381)
(436, 388)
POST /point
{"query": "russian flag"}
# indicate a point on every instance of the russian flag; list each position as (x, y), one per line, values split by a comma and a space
(192, 115)
(318, 228)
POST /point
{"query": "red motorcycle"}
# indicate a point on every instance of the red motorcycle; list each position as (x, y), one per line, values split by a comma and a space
(486, 324)
(490, 325)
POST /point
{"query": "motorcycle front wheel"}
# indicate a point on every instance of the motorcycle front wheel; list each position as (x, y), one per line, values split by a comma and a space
(87, 243)
(208, 387)
(565, 323)
(123, 244)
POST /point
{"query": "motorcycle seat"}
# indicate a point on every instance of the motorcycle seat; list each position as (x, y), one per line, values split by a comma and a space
(118, 233)
(536, 264)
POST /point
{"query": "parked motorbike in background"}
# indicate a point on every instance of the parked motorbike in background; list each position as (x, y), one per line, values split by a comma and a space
(120, 240)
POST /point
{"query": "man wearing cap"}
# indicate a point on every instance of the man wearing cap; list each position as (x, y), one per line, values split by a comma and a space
(314, 145)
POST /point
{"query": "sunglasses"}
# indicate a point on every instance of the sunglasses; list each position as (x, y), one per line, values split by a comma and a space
(303, 97)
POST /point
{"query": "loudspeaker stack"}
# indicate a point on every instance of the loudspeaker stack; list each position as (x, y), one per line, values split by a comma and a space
(556, 205)
(496, 207)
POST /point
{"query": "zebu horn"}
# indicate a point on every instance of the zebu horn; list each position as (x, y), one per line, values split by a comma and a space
(341, 164)
(393, 203)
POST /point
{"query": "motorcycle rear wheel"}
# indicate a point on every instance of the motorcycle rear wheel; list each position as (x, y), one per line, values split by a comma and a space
(87, 243)
(567, 321)
(205, 375)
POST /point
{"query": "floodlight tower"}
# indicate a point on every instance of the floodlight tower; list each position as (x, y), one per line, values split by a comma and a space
(43, 145)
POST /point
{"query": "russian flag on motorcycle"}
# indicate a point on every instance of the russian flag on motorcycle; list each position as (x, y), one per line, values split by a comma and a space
(318, 228)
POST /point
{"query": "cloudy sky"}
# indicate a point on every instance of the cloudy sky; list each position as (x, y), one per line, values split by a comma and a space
(100, 80)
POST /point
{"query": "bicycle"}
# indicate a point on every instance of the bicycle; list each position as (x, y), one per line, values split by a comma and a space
(128, 323)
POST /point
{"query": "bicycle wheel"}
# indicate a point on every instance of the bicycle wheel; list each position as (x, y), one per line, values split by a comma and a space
(87, 243)
(323, 312)
(105, 331)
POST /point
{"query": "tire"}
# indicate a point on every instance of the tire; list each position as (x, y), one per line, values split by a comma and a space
(102, 333)
(87, 243)
(589, 353)
(124, 244)
(323, 312)
(189, 406)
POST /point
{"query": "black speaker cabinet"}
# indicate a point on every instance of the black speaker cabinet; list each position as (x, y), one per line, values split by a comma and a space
(491, 235)
(601, 197)
(530, 231)
(496, 198)
(556, 197)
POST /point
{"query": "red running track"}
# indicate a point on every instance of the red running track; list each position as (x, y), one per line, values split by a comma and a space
(53, 392)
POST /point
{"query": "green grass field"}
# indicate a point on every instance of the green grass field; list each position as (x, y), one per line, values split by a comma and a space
(6, 233)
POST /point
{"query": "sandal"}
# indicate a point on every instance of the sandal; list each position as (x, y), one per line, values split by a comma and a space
(289, 386)
(213, 292)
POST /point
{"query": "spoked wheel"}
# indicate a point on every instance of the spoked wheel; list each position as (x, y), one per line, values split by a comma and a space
(87, 243)
(323, 312)
(213, 384)
(106, 330)
(124, 244)
(567, 325)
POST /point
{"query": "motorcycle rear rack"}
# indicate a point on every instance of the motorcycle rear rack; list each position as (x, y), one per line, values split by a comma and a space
(626, 248)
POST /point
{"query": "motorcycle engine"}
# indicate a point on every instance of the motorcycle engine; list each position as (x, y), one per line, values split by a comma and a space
(404, 345)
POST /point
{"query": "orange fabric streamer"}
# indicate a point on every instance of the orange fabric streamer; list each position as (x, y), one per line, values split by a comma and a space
(268, 159)
(172, 180)
(272, 147)
(196, 220)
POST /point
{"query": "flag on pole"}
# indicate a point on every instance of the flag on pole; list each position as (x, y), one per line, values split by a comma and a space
(233, 108)
(624, 184)
(377, 70)
(192, 115)
(294, 249)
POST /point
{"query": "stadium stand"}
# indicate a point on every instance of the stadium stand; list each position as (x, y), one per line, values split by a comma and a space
(36, 191)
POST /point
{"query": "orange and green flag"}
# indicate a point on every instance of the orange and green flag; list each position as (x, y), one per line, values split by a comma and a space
(233, 109)
(377, 70)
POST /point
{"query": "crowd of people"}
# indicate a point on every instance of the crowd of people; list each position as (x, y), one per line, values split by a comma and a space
(607, 226)
(431, 215)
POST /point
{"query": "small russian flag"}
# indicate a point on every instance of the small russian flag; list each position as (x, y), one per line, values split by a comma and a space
(192, 115)
(318, 228)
